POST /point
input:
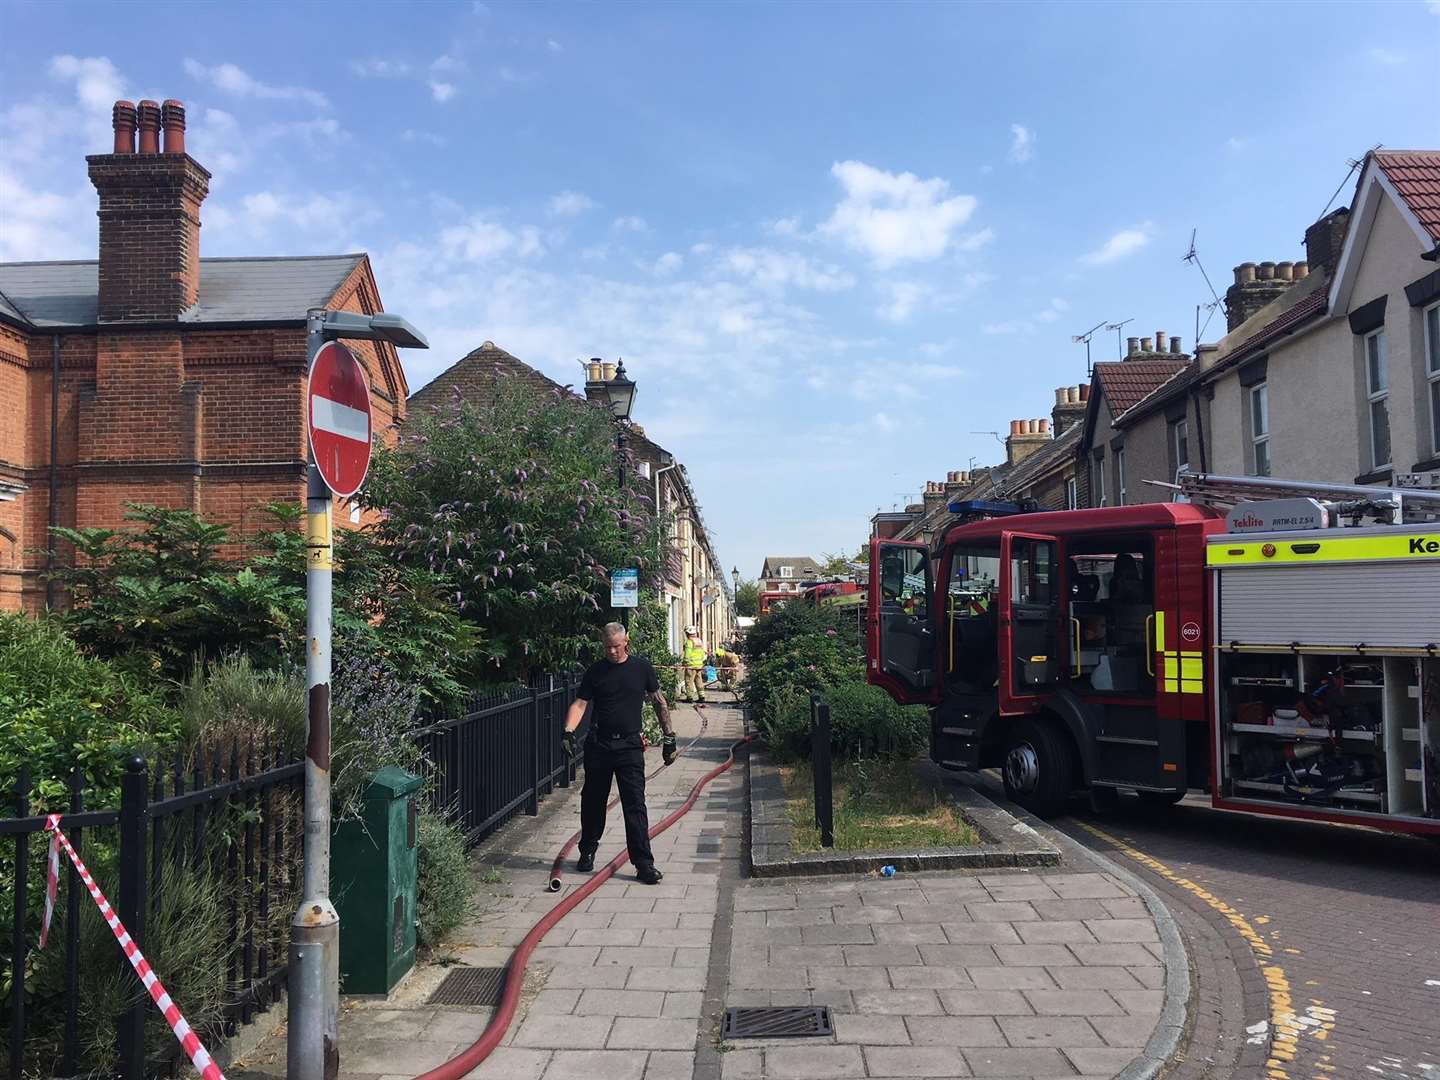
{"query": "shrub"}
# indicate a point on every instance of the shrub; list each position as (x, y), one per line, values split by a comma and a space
(444, 893)
(805, 662)
(231, 701)
(61, 710)
(372, 712)
(866, 722)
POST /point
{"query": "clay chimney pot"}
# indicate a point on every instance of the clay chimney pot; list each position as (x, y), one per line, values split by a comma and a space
(1084, 391)
(1145, 345)
(172, 116)
(1133, 346)
(1175, 344)
(1245, 273)
(1266, 271)
(1301, 270)
(123, 119)
(148, 115)
(1017, 426)
(1159, 340)
(1284, 271)
(1044, 426)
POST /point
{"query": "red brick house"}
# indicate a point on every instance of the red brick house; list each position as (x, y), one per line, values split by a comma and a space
(152, 375)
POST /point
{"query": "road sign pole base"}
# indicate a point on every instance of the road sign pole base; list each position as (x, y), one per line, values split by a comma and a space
(313, 1039)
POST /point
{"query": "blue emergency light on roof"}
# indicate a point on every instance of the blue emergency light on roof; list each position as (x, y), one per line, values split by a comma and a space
(985, 507)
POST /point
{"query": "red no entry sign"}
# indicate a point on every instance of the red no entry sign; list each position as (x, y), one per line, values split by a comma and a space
(339, 406)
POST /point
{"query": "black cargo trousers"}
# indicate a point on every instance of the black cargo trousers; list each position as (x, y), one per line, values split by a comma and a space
(623, 759)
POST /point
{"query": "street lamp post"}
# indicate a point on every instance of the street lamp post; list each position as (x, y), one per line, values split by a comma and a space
(735, 599)
(619, 393)
(313, 1048)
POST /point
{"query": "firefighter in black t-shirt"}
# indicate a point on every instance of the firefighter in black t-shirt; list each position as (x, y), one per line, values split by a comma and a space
(617, 686)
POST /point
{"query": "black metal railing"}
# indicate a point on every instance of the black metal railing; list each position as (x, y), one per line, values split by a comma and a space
(210, 839)
(500, 757)
(820, 766)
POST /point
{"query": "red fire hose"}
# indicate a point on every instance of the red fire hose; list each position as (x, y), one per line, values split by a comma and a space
(569, 845)
(470, 1058)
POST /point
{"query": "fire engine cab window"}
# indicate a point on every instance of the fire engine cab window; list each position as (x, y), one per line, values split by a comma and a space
(972, 611)
(902, 580)
(1112, 601)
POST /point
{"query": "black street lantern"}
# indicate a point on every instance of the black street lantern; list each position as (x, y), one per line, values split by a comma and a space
(621, 392)
(735, 577)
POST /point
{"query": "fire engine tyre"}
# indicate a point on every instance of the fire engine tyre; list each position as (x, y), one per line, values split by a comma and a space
(1039, 767)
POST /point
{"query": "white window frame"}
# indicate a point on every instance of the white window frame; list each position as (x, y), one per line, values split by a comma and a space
(1430, 319)
(1120, 476)
(787, 571)
(1180, 435)
(1098, 466)
(1259, 432)
(1072, 493)
(1377, 395)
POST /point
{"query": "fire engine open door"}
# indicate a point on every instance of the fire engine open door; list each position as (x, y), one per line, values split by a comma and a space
(1029, 645)
(900, 643)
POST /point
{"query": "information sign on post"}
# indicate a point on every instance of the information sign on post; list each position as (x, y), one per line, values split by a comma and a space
(625, 588)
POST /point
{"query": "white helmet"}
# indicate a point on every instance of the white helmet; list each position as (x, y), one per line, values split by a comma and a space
(691, 630)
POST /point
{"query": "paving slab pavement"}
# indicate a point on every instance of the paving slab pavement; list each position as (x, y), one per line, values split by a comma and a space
(1024, 973)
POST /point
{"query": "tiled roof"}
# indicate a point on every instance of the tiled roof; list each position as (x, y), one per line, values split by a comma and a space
(1415, 174)
(1128, 382)
(1166, 391)
(474, 377)
(802, 564)
(53, 295)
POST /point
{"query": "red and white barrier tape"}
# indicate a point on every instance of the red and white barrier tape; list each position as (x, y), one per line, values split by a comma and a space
(52, 886)
(189, 1041)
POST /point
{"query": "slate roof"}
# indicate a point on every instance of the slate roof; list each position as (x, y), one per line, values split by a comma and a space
(1126, 383)
(1415, 175)
(59, 295)
(1042, 461)
(801, 563)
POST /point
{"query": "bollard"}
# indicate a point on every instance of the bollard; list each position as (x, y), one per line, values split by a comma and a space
(820, 766)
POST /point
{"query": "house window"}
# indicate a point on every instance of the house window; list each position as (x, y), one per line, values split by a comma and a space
(1431, 319)
(787, 571)
(1260, 430)
(1097, 480)
(1377, 394)
(1072, 494)
(1120, 477)
(1180, 444)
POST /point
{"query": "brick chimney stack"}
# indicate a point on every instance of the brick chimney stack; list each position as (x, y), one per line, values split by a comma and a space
(149, 216)
(1070, 405)
(1255, 286)
(1026, 436)
(1324, 239)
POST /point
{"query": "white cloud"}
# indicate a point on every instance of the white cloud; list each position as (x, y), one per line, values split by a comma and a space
(232, 79)
(417, 135)
(630, 224)
(1054, 311)
(668, 263)
(481, 240)
(447, 62)
(1124, 243)
(376, 68)
(1386, 57)
(1236, 143)
(1048, 314)
(883, 422)
(554, 46)
(976, 240)
(895, 217)
(441, 91)
(779, 269)
(45, 224)
(901, 299)
(788, 226)
(1022, 143)
(570, 203)
(97, 82)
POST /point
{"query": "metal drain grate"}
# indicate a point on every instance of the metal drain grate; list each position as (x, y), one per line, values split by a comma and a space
(777, 1022)
(469, 986)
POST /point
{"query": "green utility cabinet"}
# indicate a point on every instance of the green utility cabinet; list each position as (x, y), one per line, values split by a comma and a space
(374, 865)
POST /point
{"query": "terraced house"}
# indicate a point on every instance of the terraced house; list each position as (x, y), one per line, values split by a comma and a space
(149, 374)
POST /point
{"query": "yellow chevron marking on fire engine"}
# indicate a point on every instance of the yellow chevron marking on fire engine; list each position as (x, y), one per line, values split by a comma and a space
(1287, 1026)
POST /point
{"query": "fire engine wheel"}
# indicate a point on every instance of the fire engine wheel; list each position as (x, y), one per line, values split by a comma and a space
(1039, 768)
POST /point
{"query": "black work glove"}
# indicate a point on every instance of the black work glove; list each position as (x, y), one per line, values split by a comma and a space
(567, 744)
(668, 751)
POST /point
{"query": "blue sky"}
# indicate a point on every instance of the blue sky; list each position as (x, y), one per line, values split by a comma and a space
(830, 241)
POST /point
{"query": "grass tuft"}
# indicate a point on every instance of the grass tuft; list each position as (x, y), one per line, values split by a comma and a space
(878, 804)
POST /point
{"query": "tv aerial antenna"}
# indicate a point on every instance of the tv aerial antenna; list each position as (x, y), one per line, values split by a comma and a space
(1117, 327)
(995, 434)
(1354, 164)
(1193, 257)
(1085, 337)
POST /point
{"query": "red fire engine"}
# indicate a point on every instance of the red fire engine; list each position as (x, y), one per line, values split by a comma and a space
(1283, 657)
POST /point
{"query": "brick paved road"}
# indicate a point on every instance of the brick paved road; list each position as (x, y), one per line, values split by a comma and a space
(1352, 917)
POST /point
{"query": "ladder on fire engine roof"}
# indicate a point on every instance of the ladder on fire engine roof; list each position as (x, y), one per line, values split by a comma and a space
(1397, 505)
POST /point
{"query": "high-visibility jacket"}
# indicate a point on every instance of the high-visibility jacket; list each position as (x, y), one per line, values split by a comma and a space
(693, 654)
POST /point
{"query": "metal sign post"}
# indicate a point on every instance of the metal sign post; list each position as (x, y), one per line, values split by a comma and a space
(313, 1042)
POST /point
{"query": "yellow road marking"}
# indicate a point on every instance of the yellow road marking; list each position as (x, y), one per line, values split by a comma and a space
(1287, 1025)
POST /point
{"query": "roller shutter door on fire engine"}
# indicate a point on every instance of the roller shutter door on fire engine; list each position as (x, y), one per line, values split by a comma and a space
(1380, 605)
